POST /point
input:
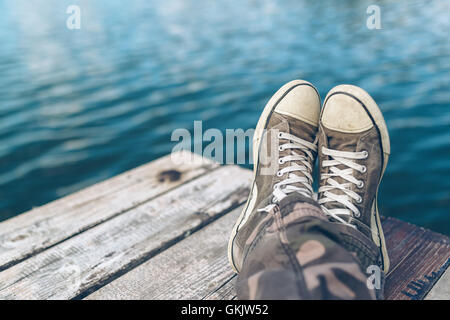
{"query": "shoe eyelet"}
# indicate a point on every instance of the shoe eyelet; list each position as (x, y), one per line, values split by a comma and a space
(280, 148)
(363, 169)
(279, 174)
(359, 200)
(280, 135)
(360, 184)
(365, 153)
(280, 161)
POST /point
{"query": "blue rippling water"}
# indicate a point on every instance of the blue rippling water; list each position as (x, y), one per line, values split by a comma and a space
(80, 106)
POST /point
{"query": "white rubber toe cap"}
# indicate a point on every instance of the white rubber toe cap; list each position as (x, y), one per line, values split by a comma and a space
(344, 113)
(302, 103)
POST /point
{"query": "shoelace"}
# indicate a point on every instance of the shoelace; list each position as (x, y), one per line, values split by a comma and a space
(346, 199)
(286, 186)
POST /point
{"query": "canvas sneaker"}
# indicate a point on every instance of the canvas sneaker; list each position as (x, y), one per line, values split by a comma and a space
(284, 150)
(353, 153)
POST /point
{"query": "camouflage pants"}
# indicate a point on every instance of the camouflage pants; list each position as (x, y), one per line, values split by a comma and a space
(299, 254)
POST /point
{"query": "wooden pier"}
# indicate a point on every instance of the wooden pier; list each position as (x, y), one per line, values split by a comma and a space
(160, 231)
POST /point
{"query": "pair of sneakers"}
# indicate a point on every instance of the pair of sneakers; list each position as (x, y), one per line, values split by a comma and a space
(350, 138)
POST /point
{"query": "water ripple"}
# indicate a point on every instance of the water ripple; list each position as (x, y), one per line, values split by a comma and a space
(81, 106)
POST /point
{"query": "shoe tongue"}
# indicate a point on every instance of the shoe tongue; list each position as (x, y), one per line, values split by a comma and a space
(296, 127)
(341, 142)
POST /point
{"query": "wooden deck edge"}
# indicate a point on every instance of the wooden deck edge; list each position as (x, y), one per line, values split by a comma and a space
(419, 257)
(440, 289)
(32, 232)
(90, 260)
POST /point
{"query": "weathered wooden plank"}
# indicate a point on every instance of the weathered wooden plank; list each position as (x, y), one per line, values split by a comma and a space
(81, 264)
(38, 229)
(399, 239)
(419, 258)
(191, 269)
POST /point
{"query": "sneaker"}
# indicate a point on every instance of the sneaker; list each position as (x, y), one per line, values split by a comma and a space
(353, 154)
(284, 150)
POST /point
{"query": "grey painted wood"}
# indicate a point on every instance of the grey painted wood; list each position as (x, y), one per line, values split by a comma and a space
(38, 229)
(192, 269)
(441, 290)
(82, 263)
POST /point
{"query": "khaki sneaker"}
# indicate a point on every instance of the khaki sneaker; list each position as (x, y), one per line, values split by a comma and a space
(284, 150)
(353, 154)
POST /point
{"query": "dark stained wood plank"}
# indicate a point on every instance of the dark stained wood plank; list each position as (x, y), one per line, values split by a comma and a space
(32, 232)
(399, 239)
(82, 264)
(418, 256)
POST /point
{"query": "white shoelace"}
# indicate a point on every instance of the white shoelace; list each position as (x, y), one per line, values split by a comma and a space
(286, 186)
(346, 199)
